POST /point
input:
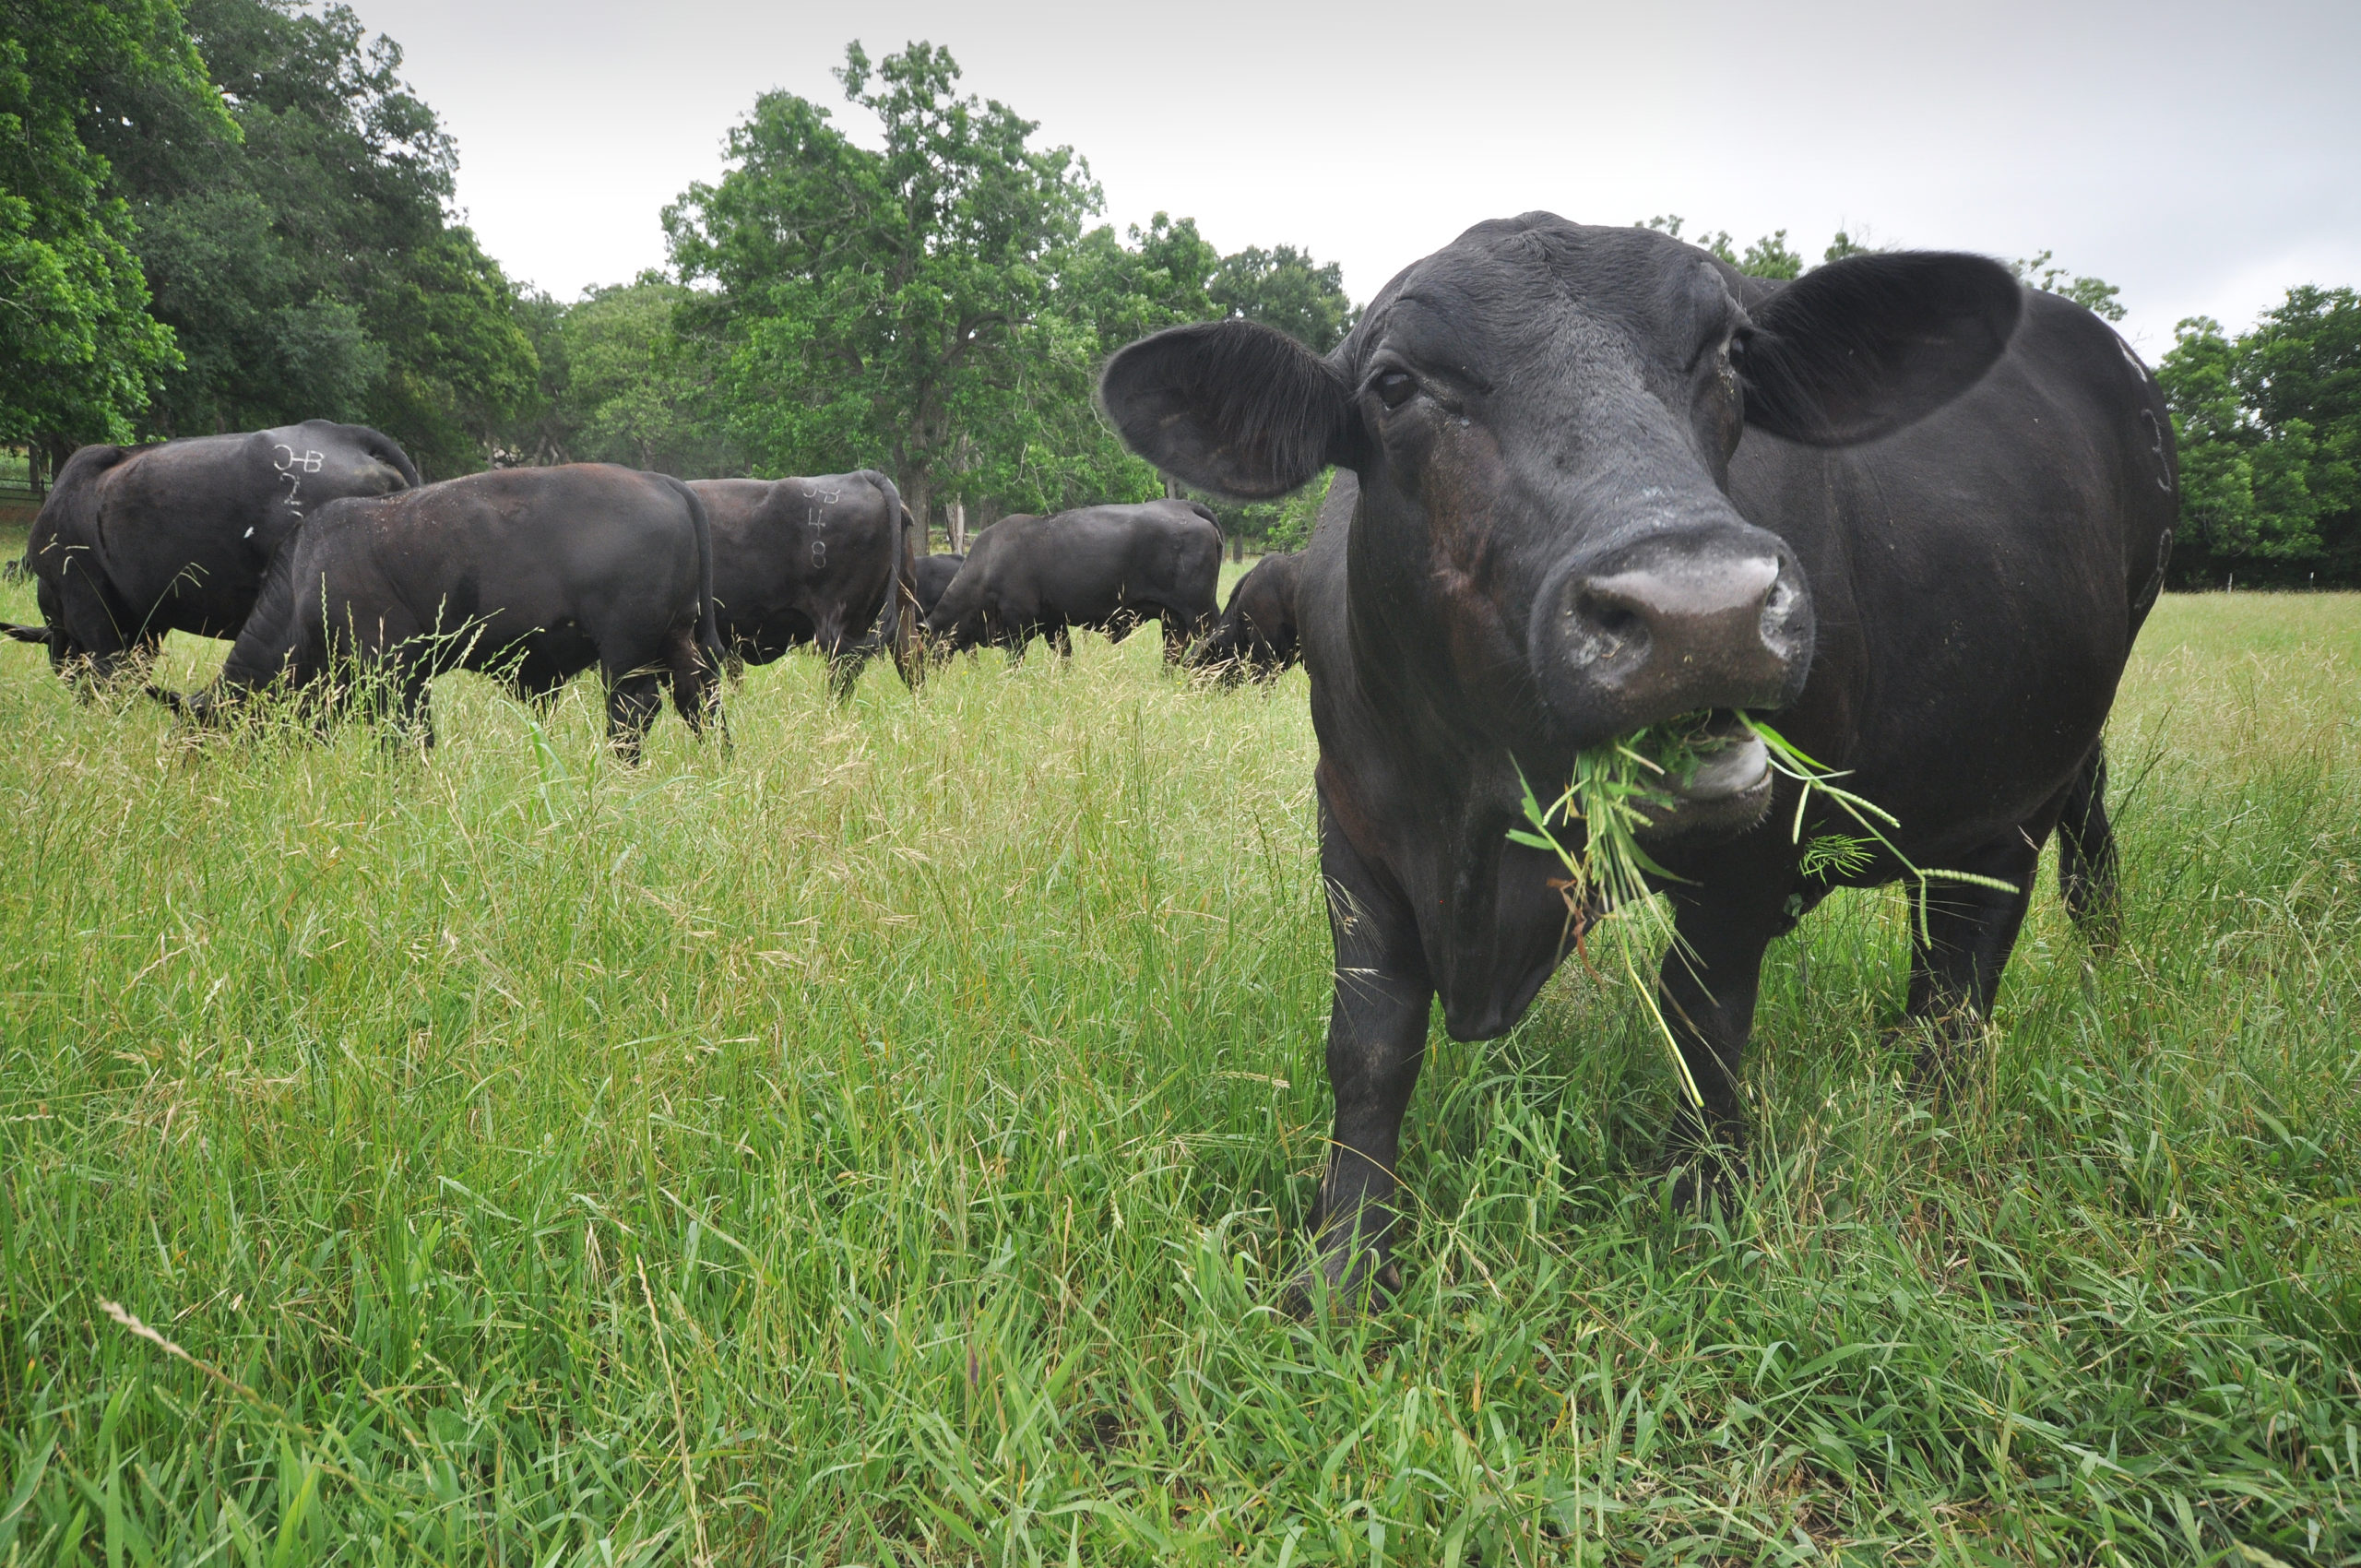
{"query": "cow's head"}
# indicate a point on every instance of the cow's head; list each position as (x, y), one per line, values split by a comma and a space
(1542, 417)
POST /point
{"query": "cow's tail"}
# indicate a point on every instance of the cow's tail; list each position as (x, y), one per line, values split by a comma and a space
(378, 445)
(709, 624)
(895, 623)
(2086, 857)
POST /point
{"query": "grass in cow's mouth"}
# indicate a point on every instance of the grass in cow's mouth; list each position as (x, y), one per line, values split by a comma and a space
(1610, 790)
(1614, 785)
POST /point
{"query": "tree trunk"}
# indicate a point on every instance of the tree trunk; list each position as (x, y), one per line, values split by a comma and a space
(955, 513)
(919, 495)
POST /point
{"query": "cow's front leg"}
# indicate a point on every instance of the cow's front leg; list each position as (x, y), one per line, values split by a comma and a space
(1706, 991)
(1377, 1041)
(1962, 944)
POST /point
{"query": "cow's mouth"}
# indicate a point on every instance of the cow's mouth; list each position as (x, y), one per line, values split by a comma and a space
(1715, 779)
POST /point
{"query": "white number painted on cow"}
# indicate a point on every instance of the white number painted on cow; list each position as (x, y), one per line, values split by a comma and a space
(816, 518)
(291, 466)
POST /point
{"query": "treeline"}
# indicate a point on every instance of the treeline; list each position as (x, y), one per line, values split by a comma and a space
(225, 214)
(233, 213)
(2270, 425)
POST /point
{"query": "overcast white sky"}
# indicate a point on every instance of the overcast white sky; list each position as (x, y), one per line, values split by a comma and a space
(2205, 157)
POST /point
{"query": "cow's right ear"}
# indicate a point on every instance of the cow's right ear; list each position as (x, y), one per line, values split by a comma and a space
(1862, 347)
(1232, 407)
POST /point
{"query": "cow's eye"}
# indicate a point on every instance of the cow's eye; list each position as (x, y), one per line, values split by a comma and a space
(1735, 351)
(1394, 388)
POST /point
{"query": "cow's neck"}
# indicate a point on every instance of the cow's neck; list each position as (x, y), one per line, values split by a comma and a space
(1429, 796)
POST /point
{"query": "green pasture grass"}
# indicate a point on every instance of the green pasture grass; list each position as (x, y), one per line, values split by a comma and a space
(886, 1142)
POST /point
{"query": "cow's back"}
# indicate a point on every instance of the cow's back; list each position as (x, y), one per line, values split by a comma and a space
(186, 528)
(1106, 567)
(516, 549)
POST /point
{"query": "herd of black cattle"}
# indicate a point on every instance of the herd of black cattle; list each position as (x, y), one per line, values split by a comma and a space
(316, 547)
(1589, 481)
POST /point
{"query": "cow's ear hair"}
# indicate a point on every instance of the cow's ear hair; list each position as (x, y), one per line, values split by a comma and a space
(1232, 407)
(1862, 347)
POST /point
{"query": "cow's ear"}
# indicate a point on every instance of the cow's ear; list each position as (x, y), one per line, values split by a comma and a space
(1232, 407)
(1862, 347)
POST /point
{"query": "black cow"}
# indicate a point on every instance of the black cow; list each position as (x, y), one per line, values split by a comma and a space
(931, 576)
(1103, 568)
(530, 573)
(1917, 512)
(810, 561)
(1258, 635)
(136, 541)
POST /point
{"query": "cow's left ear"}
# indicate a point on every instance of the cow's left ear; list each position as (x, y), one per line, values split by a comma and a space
(1862, 347)
(1232, 407)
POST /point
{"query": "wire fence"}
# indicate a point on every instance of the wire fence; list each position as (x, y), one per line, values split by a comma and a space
(17, 478)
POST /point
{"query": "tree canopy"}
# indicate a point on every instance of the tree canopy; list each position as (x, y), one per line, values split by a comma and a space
(2270, 428)
(234, 213)
(80, 355)
(313, 268)
(893, 307)
(937, 306)
(1285, 289)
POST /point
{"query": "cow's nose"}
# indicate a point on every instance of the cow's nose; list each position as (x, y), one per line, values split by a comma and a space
(1649, 642)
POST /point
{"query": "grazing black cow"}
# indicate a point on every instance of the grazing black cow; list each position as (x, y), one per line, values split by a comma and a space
(1914, 510)
(810, 561)
(1256, 634)
(931, 576)
(136, 541)
(531, 574)
(1103, 568)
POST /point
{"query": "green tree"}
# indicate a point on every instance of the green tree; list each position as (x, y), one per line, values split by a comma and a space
(1034, 441)
(1766, 258)
(461, 367)
(1283, 288)
(2094, 294)
(1845, 244)
(636, 392)
(1769, 257)
(80, 354)
(309, 266)
(2270, 431)
(880, 306)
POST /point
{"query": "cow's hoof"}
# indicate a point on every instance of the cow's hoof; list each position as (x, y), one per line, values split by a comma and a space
(1943, 1050)
(1331, 1288)
(1705, 1180)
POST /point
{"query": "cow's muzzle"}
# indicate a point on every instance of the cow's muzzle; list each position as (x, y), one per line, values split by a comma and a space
(1670, 628)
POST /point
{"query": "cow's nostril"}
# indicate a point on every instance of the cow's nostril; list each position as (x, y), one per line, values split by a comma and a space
(1601, 629)
(1618, 621)
(1776, 605)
